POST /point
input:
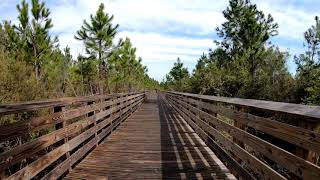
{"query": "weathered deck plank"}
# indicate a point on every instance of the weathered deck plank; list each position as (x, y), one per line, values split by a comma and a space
(153, 143)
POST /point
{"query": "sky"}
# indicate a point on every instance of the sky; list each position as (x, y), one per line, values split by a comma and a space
(163, 30)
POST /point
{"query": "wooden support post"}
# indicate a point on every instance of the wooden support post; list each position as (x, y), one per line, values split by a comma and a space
(113, 100)
(91, 113)
(145, 96)
(310, 156)
(95, 123)
(62, 125)
(121, 108)
(199, 106)
(59, 109)
(240, 126)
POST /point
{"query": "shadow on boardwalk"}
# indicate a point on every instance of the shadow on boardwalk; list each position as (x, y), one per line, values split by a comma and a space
(184, 155)
(153, 143)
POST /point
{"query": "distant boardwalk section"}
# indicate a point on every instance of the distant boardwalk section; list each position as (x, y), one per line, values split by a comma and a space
(153, 143)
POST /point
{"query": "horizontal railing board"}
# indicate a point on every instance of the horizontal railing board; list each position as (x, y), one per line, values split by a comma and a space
(34, 168)
(121, 107)
(254, 163)
(22, 127)
(28, 149)
(21, 152)
(36, 105)
(63, 167)
(296, 165)
(312, 112)
(301, 137)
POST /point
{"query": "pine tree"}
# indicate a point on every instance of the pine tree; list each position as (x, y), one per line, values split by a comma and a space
(32, 65)
(178, 75)
(33, 33)
(98, 35)
(126, 68)
(244, 36)
(308, 67)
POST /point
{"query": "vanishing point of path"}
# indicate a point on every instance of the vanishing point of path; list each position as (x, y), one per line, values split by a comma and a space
(153, 143)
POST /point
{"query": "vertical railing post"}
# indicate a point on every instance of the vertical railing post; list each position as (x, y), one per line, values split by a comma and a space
(133, 108)
(145, 96)
(307, 154)
(60, 126)
(113, 111)
(59, 109)
(240, 126)
(95, 122)
(199, 106)
(121, 108)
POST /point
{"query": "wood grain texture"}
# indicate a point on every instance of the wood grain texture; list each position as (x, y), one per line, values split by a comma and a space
(28, 149)
(227, 159)
(36, 105)
(177, 136)
(262, 170)
(295, 164)
(63, 147)
(23, 127)
(296, 135)
(312, 112)
(153, 143)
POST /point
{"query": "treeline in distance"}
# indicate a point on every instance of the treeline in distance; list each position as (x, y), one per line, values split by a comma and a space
(246, 64)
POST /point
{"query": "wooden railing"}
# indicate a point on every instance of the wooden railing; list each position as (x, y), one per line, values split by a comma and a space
(256, 139)
(48, 146)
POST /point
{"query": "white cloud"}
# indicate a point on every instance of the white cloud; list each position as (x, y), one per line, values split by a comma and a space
(152, 46)
(145, 14)
(76, 47)
(157, 28)
(293, 20)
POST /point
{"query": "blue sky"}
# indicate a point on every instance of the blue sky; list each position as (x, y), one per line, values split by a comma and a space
(163, 30)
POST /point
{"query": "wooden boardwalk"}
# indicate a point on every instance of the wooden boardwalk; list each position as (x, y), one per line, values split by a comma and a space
(153, 143)
(140, 136)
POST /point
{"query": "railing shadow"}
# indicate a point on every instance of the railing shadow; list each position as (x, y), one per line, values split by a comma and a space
(184, 155)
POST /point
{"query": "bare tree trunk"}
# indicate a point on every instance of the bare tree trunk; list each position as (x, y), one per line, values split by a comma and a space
(108, 90)
(106, 76)
(116, 87)
(101, 77)
(37, 71)
(101, 69)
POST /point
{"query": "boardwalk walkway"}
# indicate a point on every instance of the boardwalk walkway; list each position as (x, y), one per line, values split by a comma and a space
(141, 135)
(153, 143)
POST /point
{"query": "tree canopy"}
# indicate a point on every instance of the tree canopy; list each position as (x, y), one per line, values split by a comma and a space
(34, 66)
(246, 64)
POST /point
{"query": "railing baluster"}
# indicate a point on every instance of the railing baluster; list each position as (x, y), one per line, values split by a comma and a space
(254, 146)
(76, 129)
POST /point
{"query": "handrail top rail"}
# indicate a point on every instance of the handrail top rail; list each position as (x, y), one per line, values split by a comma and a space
(28, 106)
(309, 111)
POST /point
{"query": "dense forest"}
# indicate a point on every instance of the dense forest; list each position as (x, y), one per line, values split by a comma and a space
(34, 66)
(247, 64)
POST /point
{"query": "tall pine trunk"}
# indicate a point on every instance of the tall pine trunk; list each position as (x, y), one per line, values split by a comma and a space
(101, 70)
(37, 71)
(101, 77)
